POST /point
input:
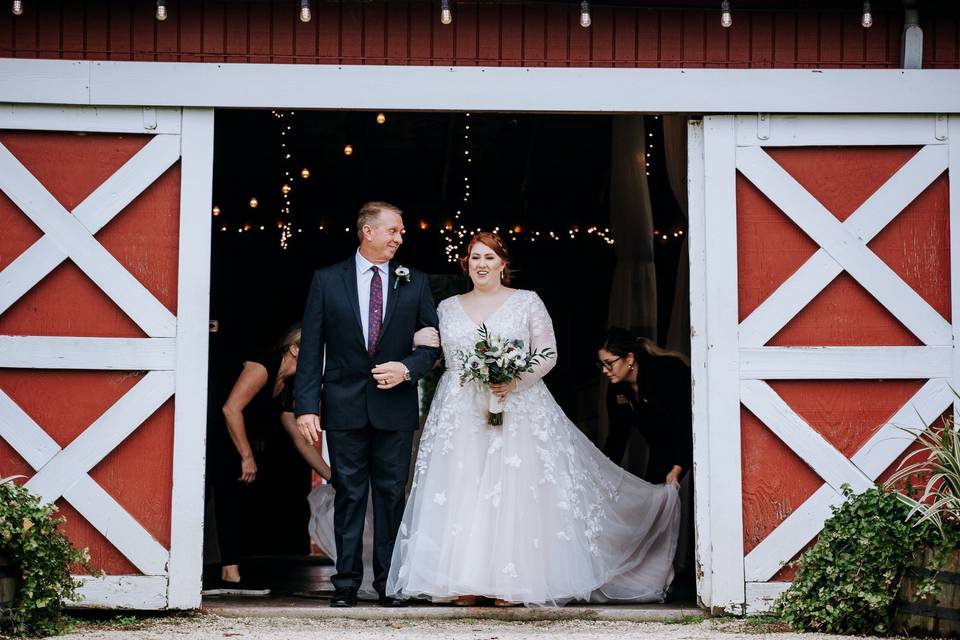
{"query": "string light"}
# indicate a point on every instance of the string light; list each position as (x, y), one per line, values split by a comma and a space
(17, 7)
(381, 118)
(726, 18)
(161, 10)
(305, 14)
(585, 14)
(866, 21)
(305, 173)
(348, 150)
(446, 16)
(216, 211)
(253, 203)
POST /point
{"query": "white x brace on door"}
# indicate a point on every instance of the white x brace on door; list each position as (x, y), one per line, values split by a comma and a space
(173, 356)
(732, 362)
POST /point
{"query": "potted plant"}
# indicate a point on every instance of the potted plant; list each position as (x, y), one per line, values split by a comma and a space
(37, 558)
(929, 598)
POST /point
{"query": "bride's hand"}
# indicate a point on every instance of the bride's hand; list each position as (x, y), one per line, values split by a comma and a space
(501, 390)
(427, 337)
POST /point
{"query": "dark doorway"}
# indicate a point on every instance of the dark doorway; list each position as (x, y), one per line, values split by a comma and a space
(542, 180)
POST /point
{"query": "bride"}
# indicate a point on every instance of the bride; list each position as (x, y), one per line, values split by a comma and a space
(531, 511)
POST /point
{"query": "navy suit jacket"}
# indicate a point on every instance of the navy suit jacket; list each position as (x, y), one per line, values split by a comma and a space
(344, 392)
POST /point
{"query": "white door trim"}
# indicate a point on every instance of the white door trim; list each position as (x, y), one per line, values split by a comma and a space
(736, 362)
(377, 87)
(174, 354)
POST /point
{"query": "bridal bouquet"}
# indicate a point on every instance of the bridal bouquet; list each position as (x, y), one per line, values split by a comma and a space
(497, 360)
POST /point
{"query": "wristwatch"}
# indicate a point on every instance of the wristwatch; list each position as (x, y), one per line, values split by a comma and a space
(406, 373)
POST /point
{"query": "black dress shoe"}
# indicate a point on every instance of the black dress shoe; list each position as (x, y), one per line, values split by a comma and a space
(343, 598)
(388, 601)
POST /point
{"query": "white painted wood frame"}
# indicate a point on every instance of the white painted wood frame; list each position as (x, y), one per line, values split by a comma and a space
(735, 362)
(174, 354)
(463, 88)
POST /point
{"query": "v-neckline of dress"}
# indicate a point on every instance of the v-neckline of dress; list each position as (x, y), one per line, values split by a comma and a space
(463, 309)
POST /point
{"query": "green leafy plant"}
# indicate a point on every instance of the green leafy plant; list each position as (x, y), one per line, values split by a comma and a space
(31, 540)
(848, 581)
(938, 462)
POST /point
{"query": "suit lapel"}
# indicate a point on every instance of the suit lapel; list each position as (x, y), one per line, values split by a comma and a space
(350, 283)
(392, 296)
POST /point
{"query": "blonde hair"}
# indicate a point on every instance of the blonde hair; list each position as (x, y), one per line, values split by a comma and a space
(369, 213)
(290, 339)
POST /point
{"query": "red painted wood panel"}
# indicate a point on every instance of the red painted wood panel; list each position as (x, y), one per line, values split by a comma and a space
(511, 35)
(190, 39)
(771, 248)
(375, 34)
(213, 40)
(398, 31)
(420, 41)
(144, 239)
(48, 32)
(409, 32)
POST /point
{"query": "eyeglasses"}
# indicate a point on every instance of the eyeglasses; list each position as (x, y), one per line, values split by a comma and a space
(607, 365)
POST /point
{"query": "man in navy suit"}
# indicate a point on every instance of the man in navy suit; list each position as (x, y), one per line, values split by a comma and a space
(356, 376)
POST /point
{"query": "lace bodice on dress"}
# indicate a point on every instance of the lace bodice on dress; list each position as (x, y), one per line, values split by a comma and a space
(522, 315)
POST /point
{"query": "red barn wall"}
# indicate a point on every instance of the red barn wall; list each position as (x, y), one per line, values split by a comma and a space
(482, 33)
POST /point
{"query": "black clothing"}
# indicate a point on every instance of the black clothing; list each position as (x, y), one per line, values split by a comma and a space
(343, 391)
(361, 459)
(369, 430)
(233, 497)
(662, 414)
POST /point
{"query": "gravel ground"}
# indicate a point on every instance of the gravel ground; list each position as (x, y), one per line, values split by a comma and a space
(210, 627)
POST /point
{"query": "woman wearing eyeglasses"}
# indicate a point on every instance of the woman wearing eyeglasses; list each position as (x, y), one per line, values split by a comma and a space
(649, 391)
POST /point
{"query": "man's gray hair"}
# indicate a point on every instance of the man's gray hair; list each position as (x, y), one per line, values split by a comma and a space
(369, 213)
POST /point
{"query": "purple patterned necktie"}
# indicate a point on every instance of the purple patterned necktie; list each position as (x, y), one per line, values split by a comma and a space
(376, 310)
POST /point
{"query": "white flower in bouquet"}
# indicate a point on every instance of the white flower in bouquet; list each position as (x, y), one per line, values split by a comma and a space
(497, 360)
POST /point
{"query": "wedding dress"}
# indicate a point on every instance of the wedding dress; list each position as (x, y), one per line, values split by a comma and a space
(530, 511)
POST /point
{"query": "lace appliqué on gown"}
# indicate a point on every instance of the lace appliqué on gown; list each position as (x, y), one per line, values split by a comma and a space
(530, 511)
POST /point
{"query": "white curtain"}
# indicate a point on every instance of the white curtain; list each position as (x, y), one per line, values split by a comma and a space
(633, 294)
(675, 151)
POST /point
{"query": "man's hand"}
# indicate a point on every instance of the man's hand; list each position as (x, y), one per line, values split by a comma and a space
(309, 427)
(389, 374)
(427, 337)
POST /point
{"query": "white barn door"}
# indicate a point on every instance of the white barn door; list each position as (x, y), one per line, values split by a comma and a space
(89, 325)
(825, 255)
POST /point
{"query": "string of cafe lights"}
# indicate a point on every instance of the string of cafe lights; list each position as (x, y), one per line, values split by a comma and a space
(286, 163)
(455, 233)
(446, 12)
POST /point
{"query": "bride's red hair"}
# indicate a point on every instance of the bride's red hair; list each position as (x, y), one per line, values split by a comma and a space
(495, 243)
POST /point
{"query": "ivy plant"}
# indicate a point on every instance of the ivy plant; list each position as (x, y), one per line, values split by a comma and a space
(848, 581)
(31, 539)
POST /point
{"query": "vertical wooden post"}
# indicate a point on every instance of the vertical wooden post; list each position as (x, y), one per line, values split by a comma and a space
(193, 304)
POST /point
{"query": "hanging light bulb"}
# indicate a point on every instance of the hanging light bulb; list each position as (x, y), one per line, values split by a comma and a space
(726, 18)
(305, 14)
(584, 14)
(446, 16)
(348, 150)
(161, 10)
(305, 173)
(285, 189)
(867, 20)
(381, 118)
(216, 211)
(17, 7)
(253, 203)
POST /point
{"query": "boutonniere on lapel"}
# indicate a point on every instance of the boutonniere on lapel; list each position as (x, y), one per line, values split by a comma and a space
(403, 275)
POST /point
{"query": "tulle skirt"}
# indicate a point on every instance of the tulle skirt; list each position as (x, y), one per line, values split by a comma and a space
(530, 511)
